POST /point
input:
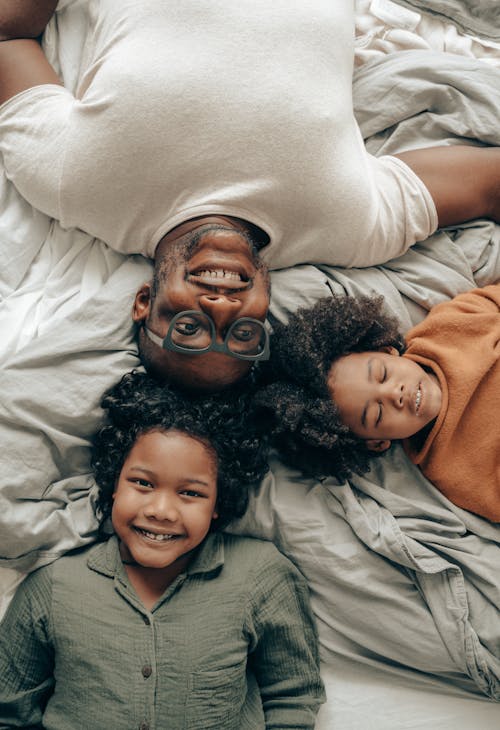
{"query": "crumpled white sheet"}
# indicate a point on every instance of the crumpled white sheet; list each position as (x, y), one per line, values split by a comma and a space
(383, 26)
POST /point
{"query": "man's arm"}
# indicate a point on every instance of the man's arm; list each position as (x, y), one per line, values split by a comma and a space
(464, 182)
(22, 65)
(24, 18)
(22, 61)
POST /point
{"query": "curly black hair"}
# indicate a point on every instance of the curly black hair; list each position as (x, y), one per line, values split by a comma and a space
(294, 398)
(139, 404)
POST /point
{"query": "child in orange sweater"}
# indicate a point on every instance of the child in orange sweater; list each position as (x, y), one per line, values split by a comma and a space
(343, 392)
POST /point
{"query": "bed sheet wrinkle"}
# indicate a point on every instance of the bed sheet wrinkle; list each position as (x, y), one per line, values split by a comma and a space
(386, 26)
(480, 18)
(22, 232)
(49, 409)
(69, 268)
(462, 95)
(363, 598)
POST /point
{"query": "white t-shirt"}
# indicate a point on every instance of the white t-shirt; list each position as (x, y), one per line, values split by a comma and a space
(202, 107)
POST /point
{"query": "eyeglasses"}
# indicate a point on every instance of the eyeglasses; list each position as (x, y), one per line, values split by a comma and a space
(193, 333)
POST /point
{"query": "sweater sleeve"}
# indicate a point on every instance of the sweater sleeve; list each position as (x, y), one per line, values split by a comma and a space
(26, 654)
(284, 656)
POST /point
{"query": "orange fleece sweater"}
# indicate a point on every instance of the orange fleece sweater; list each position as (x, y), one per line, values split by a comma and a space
(459, 341)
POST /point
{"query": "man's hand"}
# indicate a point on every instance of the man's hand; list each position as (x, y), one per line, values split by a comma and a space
(24, 18)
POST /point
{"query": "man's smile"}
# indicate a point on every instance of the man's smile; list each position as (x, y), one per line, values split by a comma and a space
(225, 277)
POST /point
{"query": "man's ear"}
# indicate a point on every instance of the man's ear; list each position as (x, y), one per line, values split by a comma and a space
(390, 350)
(377, 444)
(142, 303)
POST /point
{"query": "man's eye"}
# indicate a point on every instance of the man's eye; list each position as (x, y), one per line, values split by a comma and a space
(244, 334)
(379, 416)
(187, 328)
(384, 374)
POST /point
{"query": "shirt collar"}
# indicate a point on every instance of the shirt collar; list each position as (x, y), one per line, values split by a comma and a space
(105, 558)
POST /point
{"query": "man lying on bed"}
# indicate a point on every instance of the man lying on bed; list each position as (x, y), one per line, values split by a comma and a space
(219, 149)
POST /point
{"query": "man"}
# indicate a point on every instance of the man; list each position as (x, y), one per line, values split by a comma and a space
(219, 148)
(225, 280)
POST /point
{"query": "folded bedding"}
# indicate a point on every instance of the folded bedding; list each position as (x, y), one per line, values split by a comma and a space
(475, 18)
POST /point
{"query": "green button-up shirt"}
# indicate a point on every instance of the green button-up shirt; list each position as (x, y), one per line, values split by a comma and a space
(230, 645)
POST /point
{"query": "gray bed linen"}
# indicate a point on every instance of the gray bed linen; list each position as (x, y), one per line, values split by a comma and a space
(50, 394)
(399, 576)
(475, 17)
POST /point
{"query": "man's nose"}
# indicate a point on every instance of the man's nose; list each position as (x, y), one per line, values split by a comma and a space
(221, 308)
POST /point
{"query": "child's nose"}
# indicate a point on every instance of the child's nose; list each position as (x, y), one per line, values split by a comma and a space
(399, 396)
(162, 507)
(395, 394)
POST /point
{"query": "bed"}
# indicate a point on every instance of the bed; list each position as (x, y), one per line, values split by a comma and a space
(405, 586)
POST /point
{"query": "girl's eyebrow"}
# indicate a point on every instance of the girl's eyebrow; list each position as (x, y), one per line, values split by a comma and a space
(151, 474)
(365, 409)
(369, 366)
(143, 469)
(193, 480)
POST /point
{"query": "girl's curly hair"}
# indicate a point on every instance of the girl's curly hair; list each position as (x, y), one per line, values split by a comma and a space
(294, 398)
(139, 404)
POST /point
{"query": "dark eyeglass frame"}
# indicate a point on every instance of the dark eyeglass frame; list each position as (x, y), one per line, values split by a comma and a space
(167, 344)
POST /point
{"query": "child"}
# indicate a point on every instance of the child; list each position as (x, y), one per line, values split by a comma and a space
(349, 392)
(169, 622)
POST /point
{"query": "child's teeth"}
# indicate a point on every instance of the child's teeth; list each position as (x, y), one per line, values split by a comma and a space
(418, 398)
(155, 536)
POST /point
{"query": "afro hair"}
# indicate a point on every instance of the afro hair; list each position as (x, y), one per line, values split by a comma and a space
(139, 404)
(294, 398)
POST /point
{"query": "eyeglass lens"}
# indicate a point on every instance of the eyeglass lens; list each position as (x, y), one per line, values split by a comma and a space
(192, 331)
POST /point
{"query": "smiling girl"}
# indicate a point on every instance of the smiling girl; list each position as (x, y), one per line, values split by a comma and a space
(168, 622)
(346, 386)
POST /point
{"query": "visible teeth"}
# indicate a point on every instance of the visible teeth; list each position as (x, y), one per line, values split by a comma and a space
(418, 398)
(156, 536)
(220, 274)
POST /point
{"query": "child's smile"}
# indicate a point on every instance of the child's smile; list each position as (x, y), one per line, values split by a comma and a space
(156, 536)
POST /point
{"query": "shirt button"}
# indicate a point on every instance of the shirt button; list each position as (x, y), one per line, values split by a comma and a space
(146, 620)
(147, 671)
(144, 726)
